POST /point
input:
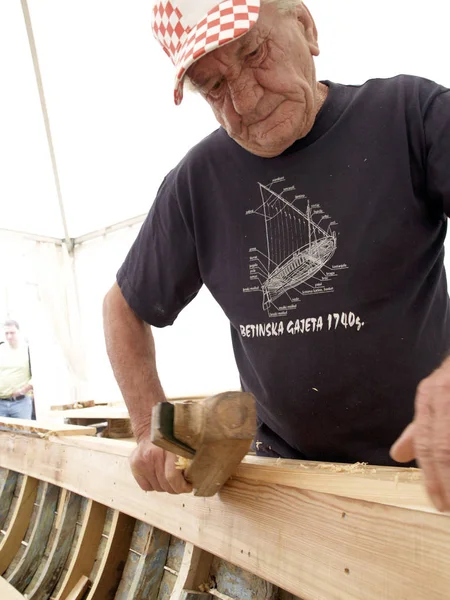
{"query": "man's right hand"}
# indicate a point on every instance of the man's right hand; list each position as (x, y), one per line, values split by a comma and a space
(154, 469)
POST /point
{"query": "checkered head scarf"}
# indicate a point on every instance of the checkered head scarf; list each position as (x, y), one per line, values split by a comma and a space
(189, 29)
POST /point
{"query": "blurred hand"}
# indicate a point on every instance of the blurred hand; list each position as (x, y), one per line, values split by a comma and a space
(154, 469)
(427, 438)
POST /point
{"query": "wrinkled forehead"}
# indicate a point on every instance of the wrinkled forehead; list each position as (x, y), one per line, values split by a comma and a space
(234, 49)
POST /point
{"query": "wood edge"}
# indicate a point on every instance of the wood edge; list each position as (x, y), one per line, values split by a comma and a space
(19, 522)
(194, 570)
(116, 551)
(86, 548)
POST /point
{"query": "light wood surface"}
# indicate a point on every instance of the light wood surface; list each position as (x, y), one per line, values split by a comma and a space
(59, 545)
(74, 405)
(8, 592)
(313, 544)
(26, 567)
(402, 487)
(86, 549)
(20, 520)
(102, 413)
(79, 589)
(114, 557)
(194, 570)
(144, 570)
(44, 429)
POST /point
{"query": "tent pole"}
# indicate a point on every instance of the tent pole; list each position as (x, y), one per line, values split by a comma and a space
(37, 72)
(32, 236)
(109, 229)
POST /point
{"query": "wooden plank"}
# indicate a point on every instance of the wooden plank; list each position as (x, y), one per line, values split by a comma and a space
(20, 520)
(145, 565)
(74, 405)
(189, 595)
(387, 485)
(312, 544)
(79, 589)
(52, 565)
(8, 592)
(235, 582)
(402, 487)
(44, 429)
(171, 568)
(113, 559)
(24, 571)
(194, 570)
(86, 548)
(102, 413)
(7, 488)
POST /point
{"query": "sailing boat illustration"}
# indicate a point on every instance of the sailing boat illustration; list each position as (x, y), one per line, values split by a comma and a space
(297, 247)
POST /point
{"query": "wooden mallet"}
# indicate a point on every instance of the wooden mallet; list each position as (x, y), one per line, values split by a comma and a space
(215, 432)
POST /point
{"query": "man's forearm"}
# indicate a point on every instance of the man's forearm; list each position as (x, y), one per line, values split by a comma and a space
(131, 351)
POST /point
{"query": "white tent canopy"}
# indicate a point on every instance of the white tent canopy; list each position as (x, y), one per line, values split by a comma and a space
(115, 133)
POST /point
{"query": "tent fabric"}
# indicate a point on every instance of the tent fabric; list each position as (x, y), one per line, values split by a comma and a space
(108, 89)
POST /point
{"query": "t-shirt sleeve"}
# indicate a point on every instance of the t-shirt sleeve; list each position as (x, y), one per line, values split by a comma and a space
(160, 275)
(437, 135)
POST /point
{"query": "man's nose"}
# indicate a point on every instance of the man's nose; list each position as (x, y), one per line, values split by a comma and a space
(245, 93)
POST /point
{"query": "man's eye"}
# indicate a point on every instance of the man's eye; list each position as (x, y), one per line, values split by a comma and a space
(217, 86)
(216, 89)
(257, 55)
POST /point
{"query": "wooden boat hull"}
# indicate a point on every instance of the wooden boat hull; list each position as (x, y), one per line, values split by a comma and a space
(75, 525)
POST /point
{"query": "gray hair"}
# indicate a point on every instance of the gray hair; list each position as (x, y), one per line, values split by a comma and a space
(11, 323)
(284, 5)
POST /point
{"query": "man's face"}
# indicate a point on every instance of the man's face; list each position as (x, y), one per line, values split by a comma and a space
(12, 335)
(262, 87)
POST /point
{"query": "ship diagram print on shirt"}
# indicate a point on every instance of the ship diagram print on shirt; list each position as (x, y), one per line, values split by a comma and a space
(297, 257)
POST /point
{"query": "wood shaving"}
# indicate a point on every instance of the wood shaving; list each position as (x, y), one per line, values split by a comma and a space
(46, 436)
(358, 467)
(182, 463)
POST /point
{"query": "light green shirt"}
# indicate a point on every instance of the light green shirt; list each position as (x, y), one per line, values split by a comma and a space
(14, 369)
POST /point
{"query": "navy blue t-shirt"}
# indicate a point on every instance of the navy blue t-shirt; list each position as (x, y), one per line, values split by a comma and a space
(328, 261)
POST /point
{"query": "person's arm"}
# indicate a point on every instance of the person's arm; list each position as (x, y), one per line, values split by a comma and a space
(131, 350)
(427, 438)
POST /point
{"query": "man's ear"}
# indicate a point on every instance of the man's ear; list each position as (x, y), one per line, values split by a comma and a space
(309, 28)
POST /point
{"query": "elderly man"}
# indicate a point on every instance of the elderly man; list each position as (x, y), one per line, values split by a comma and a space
(316, 216)
(15, 375)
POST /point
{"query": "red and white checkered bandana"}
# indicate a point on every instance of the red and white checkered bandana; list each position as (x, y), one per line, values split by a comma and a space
(189, 29)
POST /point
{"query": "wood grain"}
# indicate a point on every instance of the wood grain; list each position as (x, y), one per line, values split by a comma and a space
(25, 569)
(7, 487)
(44, 429)
(313, 544)
(145, 565)
(194, 570)
(79, 589)
(402, 487)
(86, 549)
(114, 558)
(47, 575)
(20, 520)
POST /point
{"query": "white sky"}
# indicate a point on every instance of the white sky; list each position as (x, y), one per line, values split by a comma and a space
(109, 94)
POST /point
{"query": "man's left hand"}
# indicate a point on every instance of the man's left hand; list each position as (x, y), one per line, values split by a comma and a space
(24, 391)
(427, 438)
